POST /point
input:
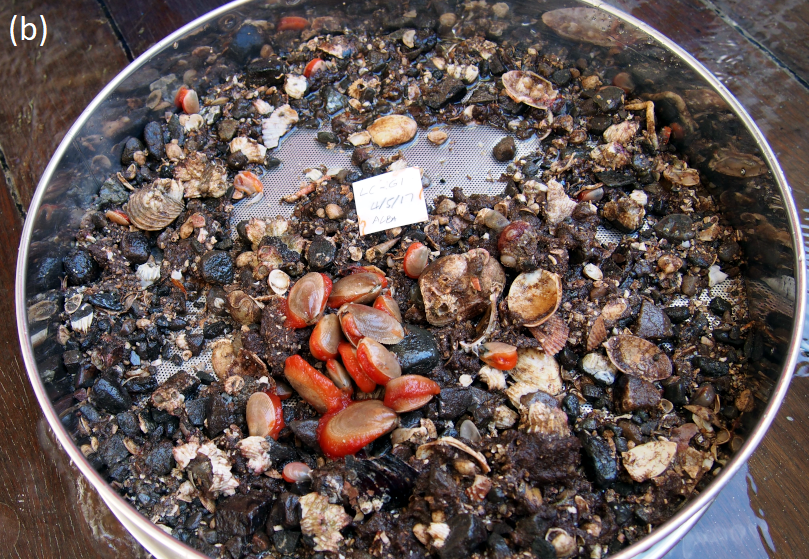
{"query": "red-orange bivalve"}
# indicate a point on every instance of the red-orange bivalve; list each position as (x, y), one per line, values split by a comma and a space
(352, 365)
(389, 305)
(409, 392)
(326, 337)
(377, 362)
(499, 355)
(265, 417)
(348, 430)
(415, 260)
(315, 388)
(307, 300)
(362, 287)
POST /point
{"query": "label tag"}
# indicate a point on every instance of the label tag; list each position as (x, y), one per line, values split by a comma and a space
(391, 200)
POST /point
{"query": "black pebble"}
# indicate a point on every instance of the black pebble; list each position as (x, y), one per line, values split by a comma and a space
(561, 77)
(600, 460)
(678, 314)
(720, 306)
(108, 301)
(417, 352)
(153, 135)
(128, 423)
(320, 253)
(80, 267)
(710, 367)
(609, 99)
(216, 267)
(543, 549)
(160, 460)
(466, 532)
(327, 138)
(110, 396)
(286, 541)
(131, 146)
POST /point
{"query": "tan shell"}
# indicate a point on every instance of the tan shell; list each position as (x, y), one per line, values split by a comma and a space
(448, 290)
(598, 333)
(201, 178)
(649, 460)
(545, 420)
(590, 25)
(529, 88)
(154, 207)
(535, 296)
(222, 355)
(637, 357)
(392, 130)
(737, 164)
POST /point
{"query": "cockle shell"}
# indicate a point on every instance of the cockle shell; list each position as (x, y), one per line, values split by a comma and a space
(637, 357)
(154, 207)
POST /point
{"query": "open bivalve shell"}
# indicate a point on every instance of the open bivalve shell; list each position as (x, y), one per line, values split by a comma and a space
(529, 88)
(535, 296)
(636, 357)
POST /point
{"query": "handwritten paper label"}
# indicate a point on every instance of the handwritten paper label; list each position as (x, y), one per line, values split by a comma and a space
(391, 200)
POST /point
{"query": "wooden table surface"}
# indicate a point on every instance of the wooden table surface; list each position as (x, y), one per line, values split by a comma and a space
(756, 47)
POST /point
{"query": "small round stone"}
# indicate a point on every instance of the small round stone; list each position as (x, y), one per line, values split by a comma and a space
(593, 272)
(216, 267)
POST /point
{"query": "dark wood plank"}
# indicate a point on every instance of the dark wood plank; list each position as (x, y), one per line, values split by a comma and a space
(781, 26)
(142, 23)
(52, 84)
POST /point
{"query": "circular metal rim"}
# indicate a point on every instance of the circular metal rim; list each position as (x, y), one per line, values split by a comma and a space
(133, 519)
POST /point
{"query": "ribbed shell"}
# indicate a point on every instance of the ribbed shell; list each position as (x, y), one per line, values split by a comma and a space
(154, 207)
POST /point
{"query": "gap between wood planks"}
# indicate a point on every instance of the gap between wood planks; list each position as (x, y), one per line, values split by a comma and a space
(753, 41)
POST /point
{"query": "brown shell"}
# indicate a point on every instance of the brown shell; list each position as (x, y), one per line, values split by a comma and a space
(535, 296)
(529, 88)
(590, 25)
(598, 333)
(737, 164)
(154, 207)
(552, 335)
(637, 357)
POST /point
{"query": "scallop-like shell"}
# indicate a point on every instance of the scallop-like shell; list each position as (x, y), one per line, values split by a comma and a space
(154, 207)
(637, 357)
(535, 296)
(552, 335)
(279, 281)
(737, 164)
(598, 333)
(529, 88)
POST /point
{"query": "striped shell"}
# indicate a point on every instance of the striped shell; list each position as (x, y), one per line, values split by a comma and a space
(552, 335)
(154, 207)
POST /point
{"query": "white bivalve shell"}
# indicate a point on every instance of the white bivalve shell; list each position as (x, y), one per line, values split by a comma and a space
(148, 273)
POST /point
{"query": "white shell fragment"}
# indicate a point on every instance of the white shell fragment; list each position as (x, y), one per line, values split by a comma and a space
(257, 452)
(649, 460)
(494, 378)
(534, 371)
(154, 206)
(279, 123)
(323, 521)
(716, 276)
(362, 138)
(593, 272)
(223, 480)
(279, 281)
(148, 273)
(82, 324)
(535, 296)
(599, 367)
(529, 88)
(392, 130)
(295, 86)
(545, 420)
(558, 205)
(254, 151)
(623, 132)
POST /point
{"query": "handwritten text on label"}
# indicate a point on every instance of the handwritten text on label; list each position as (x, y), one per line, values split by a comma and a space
(391, 200)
